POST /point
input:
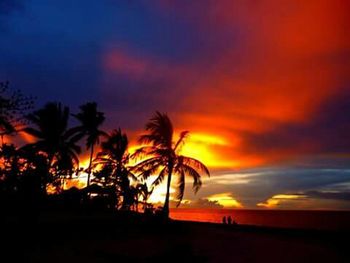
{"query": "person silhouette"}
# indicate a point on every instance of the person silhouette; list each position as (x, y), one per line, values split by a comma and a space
(224, 220)
(229, 220)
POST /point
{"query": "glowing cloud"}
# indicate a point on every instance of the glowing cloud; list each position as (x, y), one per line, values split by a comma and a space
(203, 147)
(226, 200)
(278, 200)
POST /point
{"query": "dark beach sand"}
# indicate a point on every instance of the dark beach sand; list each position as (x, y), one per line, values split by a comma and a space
(116, 238)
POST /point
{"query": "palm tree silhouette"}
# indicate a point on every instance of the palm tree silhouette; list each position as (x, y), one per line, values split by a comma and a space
(164, 156)
(53, 136)
(115, 157)
(90, 119)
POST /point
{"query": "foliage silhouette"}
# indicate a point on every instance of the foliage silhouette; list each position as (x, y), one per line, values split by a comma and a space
(28, 172)
(12, 108)
(90, 121)
(114, 158)
(54, 139)
(23, 177)
(164, 157)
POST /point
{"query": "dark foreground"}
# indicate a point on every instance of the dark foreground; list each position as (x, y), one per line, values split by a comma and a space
(129, 238)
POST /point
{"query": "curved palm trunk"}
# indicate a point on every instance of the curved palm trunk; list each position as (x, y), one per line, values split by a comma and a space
(167, 196)
(90, 164)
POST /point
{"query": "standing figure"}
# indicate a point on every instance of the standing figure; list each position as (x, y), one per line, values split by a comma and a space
(229, 220)
(224, 220)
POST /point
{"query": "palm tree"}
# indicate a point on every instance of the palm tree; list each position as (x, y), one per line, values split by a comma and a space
(115, 158)
(53, 136)
(90, 120)
(163, 153)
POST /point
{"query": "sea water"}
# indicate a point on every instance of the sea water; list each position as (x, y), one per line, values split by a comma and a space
(328, 220)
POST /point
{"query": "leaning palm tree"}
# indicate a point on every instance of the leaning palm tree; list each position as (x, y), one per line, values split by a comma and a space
(164, 157)
(115, 158)
(53, 136)
(90, 120)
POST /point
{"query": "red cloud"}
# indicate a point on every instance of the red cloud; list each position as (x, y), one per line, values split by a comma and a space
(283, 63)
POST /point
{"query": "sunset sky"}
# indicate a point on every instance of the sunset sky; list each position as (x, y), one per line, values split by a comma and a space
(262, 85)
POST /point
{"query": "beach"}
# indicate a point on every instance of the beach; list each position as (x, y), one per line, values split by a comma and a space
(137, 239)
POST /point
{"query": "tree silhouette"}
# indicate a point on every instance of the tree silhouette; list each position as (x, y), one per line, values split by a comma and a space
(143, 194)
(53, 137)
(163, 157)
(115, 158)
(90, 120)
(10, 168)
(12, 108)
(23, 174)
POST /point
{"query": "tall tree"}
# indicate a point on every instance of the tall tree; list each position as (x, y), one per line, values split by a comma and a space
(163, 157)
(90, 121)
(115, 158)
(53, 136)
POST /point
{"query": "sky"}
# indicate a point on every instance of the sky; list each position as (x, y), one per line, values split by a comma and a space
(262, 85)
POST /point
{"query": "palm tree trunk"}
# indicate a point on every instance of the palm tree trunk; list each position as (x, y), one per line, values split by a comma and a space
(90, 164)
(51, 156)
(167, 196)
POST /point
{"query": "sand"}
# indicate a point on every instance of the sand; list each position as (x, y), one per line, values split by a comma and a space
(55, 238)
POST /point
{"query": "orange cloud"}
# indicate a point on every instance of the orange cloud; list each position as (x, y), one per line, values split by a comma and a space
(280, 199)
(283, 62)
(226, 200)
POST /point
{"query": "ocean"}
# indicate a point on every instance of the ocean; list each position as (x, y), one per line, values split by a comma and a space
(300, 219)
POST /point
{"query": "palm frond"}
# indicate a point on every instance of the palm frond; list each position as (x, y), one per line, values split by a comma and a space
(33, 132)
(160, 131)
(149, 139)
(181, 140)
(181, 188)
(192, 162)
(197, 182)
(149, 171)
(132, 176)
(160, 177)
(146, 164)
(73, 156)
(74, 131)
(141, 152)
